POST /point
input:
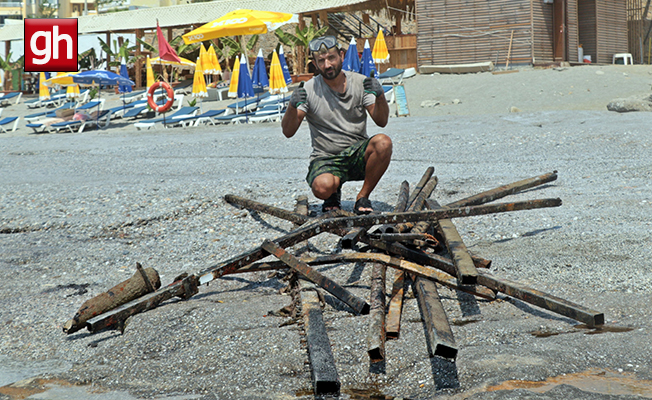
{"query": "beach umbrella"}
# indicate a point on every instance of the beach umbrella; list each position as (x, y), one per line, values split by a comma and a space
(245, 86)
(235, 75)
(367, 66)
(72, 92)
(380, 53)
(259, 75)
(125, 74)
(277, 82)
(351, 60)
(206, 66)
(199, 84)
(217, 69)
(43, 91)
(240, 22)
(150, 73)
(165, 51)
(284, 66)
(183, 63)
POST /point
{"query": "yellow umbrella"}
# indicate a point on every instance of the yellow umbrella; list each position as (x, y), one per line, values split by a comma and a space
(72, 92)
(184, 64)
(276, 79)
(233, 87)
(62, 79)
(43, 91)
(206, 66)
(150, 73)
(217, 69)
(199, 84)
(240, 22)
(380, 53)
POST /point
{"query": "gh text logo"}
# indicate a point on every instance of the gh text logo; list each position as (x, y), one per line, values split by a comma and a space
(51, 45)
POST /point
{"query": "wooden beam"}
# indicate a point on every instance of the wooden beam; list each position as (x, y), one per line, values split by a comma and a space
(139, 64)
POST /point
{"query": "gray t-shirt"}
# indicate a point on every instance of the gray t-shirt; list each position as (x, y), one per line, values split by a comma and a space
(337, 120)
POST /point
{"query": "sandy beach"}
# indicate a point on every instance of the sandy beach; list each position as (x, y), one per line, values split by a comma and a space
(78, 210)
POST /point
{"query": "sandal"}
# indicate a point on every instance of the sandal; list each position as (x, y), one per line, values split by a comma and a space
(332, 203)
(361, 203)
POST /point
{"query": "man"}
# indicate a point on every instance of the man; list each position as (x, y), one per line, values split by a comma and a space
(334, 103)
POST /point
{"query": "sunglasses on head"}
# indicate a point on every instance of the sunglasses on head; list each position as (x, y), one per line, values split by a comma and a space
(328, 41)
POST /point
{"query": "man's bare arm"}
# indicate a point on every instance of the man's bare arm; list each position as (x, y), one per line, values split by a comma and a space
(291, 121)
(379, 111)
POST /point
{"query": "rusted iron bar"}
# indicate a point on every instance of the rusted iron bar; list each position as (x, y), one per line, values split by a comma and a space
(329, 225)
(466, 272)
(401, 204)
(184, 287)
(358, 305)
(394, 310)
(505, 190)
(422, 182)
(417, 205)
(271, 210)
(405, 265)
(376, 333)
(322, 364)
(301, 206)
(513, 289)
(118, 295)
(480, 262)
(351, 238)
(399, 237)
(546, 301)
(309, 230)
(438, 331)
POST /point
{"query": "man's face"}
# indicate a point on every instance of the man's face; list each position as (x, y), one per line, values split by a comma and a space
(328, 62)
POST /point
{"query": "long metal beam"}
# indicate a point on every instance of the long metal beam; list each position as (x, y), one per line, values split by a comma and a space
(394, 310)
(438, 331)
(376, 333)
(358, 305)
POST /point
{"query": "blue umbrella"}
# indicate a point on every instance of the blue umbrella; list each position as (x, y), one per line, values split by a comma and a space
(245, 86)
(351, 60)
(124, 74)
(101, 77)
(284, 66)
(367, 66)
(259, 75)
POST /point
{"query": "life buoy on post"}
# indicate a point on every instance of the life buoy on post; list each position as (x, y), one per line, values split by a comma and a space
(152, 102)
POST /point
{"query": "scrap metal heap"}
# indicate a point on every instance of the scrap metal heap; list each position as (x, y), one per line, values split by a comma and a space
(418, 239)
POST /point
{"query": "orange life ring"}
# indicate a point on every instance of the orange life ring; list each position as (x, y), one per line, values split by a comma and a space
(169, 93)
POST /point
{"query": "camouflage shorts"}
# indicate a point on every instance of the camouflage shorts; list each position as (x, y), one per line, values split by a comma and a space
(348, 164)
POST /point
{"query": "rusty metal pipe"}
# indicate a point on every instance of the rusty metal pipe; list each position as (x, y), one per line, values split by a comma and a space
(358, 305)
(394, 310)
(420, 185)
(438, 331)
(464, 265)
(267, 209)
(376, 333)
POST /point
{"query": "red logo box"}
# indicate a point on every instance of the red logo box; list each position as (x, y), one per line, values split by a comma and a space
(51, 45)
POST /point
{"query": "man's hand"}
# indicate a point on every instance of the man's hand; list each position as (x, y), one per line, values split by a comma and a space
(371, 85)
(299, 96)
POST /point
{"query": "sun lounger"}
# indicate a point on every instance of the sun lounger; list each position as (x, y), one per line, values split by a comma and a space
(184, 87)
(247, 104)
(195, 120)
(8, 121)
(91, 104)
(133, 96)
(99, 119)
(7, 98)
(392, 75)
(119, 111)
(151, 123)
(48, 114)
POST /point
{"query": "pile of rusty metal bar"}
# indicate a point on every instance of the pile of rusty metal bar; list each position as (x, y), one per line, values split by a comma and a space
(418, 239)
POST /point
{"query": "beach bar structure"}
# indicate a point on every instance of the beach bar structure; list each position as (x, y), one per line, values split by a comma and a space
(520, 31)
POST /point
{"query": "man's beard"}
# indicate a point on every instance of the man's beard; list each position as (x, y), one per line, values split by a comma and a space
(332, 73)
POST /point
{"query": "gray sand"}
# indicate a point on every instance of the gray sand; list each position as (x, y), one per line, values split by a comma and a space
(84, 208)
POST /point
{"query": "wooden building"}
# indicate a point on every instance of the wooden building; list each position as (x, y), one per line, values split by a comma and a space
(525, 31)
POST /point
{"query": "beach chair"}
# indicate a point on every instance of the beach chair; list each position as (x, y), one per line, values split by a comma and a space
(246, 105)
(184, 87)
(392, 75)
(36, 103)
(98, 119)
(195, 120)
(43, 125)
(389, 93)
(266, 113)
(133, 96)
(48, 114)
(4, 122)
(151, 123)
(91, 105)
(119, 111)
(7, 98)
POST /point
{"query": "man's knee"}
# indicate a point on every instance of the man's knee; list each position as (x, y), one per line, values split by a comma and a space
(382, 145)
(324, 186)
